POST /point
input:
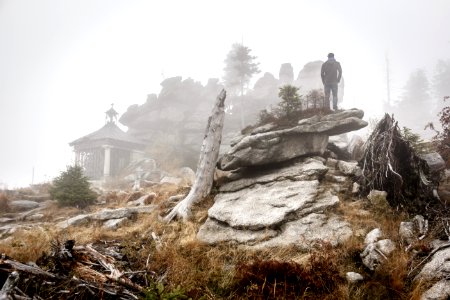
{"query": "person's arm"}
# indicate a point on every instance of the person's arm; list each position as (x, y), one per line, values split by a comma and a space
(322, 73)
(340, 72)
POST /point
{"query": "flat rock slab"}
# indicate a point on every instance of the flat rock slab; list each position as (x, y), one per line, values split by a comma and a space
(310, 169)
(23, 205)
(311, 229)
(213, 232)
(309, 137)
(273, 147)
(262, 206)
(304, 233)
(106, 214)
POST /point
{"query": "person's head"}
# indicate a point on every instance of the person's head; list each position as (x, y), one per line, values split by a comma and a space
(330, 55)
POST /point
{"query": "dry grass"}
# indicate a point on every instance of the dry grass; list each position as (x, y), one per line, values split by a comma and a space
(4, 203)
(28, 245)
(226, 271)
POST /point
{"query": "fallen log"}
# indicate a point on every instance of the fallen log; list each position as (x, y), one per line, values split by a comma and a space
(8, 286)
(206, 164)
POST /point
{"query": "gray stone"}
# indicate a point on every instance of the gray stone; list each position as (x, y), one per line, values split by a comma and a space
(439, 291)
(378, 198)
(336, 178)
(310, 229)
(309, 169)
(114, 223)
(272, 147)
(146, 209)
(438, 267)
(260, 206)
(187, 176)
(308, 138)
(6, 220)
(349, 168)
(23, 205)
(353, 277)
(171, 180)
(331, 163)
(406, 232)
(263, 128)
(434, 161)
(107, 214)
(355, 188)
(375, 253)
(373, 236)
(213, 232)
(34, 217)
(142, 200)
(74, 221)
(356, 147)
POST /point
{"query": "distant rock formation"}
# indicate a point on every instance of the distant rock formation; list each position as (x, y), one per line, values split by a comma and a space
(286, 74)
(173, 122)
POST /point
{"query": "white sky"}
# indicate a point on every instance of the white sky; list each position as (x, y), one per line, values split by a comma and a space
(62, 62)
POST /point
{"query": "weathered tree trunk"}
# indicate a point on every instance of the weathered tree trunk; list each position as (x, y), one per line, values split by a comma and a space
(206, 163)
(8, 286)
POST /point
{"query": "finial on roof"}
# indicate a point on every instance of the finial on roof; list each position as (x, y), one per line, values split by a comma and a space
(111, 114)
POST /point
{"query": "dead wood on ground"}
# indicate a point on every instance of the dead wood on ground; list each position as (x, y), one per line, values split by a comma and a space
(71, 272)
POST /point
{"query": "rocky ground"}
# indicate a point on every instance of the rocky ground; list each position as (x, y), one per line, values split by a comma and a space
(274, 208)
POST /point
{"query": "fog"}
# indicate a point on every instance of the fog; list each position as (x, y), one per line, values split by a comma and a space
(62, 63)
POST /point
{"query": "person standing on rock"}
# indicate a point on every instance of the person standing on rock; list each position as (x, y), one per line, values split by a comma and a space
(331, 73)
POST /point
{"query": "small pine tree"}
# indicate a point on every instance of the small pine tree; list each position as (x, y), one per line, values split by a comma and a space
(72, 188)
(419, 145)
(291, 102)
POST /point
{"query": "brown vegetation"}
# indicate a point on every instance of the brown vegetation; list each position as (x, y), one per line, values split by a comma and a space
(177, 264)
(4, 205)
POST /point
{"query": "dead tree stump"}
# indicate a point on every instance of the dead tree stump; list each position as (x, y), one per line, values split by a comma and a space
(206, 164)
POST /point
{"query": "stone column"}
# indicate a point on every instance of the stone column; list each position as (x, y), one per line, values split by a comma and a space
(77, 158)
(107, 163)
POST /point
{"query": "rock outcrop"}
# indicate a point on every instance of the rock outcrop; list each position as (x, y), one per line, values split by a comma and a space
(309, 137)
(280, 193)
(175, 119)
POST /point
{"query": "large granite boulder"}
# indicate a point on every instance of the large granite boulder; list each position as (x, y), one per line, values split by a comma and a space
(274, 207)
(309, 137)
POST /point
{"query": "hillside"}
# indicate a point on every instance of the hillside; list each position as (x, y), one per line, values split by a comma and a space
(285, 220)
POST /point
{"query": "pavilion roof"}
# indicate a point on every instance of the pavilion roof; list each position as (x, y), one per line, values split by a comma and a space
(110, 132)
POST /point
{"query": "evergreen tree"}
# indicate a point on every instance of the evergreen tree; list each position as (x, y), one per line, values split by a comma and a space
(441, 84)
(415, 107)
(291, 103)
(72, 188)
(240, 66)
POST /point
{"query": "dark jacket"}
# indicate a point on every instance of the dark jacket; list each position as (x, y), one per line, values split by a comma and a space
(331, 71)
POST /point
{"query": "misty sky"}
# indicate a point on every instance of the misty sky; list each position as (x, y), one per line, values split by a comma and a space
(63, 62)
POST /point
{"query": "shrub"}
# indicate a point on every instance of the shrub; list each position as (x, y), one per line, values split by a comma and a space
(4, 203)
(418, 144)
(315, 99)
(272, 279)
(291, 102)
(72, 188)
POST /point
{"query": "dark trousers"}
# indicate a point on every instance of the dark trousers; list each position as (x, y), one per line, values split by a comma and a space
(333, 87)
